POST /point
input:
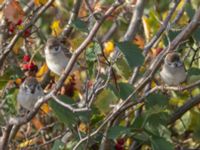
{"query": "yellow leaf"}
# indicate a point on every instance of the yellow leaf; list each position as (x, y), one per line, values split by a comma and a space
(146, 28)
(55, 27)
(26, 143)
(153, 84)
(42, 70)
(108, 47)
(176, 101)
(128, 142)
(45, 108)
(18, 45)
(40, 2)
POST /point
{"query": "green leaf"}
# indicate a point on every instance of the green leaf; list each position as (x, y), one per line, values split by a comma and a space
(104, 100)
(196, 34)
(156, 100)
(193, 71)
(63, 114)
(160, 131)
(58, 145)
(96, 118)
(122, 68)
(190, 11)
(183, 123)
(138, 122)
(159, 143)
(153, 118)
(131, 53)
(92, 52)
(3, 83)
(123, 91)
(80, 25)
(116, 131)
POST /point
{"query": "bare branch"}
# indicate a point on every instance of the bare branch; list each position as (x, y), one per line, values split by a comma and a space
(136, 19)
(74, 14)
(69, 106)
(178, 113)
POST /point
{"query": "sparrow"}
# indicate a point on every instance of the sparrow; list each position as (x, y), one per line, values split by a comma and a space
(29, 92)
(173, 71)
(57, 55)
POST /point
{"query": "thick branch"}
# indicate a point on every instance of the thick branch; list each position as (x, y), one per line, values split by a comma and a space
(190, 103)
(136, 19)
(67, 30)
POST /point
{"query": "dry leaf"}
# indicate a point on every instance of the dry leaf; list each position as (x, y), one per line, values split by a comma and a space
(13, 12)
(83, 127)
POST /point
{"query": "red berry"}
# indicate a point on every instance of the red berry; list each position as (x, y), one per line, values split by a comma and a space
(27, 33)
(120, 141)
(26, 58)
(11, 29)
(30, 67)
(25, 66)
(19, 22)
(119, 147)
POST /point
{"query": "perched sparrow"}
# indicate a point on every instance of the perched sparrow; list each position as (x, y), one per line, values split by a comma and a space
(29, 92)
(173, 71)
(56, 55)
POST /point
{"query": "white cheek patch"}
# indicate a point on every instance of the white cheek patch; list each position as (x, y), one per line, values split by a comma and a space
(46, 50)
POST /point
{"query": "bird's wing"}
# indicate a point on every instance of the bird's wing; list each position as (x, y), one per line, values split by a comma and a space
(66, 51)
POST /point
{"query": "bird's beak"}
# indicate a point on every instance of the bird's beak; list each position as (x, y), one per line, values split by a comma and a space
(32, 89)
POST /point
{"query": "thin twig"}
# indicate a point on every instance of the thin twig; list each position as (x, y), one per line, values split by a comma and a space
(162, 29)
(69, 106)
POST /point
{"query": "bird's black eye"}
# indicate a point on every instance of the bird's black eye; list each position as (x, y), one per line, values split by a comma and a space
(56, 48)
(38, 87)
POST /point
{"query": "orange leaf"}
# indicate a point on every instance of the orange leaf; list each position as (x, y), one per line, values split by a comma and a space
(1, 1)
(40, 2)
(13, 12)
(18, 81)
(36, 122)
(83, 127)
(139, 41)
